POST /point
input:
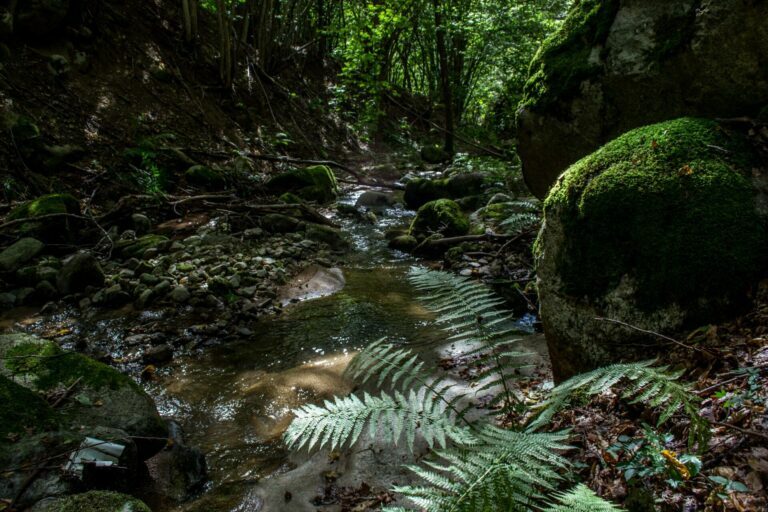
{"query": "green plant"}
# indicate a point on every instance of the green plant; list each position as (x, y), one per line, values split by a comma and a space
(474, 465)
(642, 383)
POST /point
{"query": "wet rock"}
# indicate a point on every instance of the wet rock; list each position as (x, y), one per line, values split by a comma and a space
(159, 354)
(178, 471)
(420, 191)
(93, 501)
(116, 296)
(180, 294)
(19, 253)
(103, 396)
(442, 216)
(403, 243)
(375, 199)
(45, 291)
(313, 282)
(635, 232)
(79, 272)
(141, 247)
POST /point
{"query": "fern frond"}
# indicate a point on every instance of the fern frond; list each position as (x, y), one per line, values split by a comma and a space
(581, 499)
(388, 362)
(642, 383)
(505, 471)
(341, 421)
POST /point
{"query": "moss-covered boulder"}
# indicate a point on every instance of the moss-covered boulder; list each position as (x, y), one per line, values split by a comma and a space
(205, 177)
(434, 155)
(316, 183)
(420, 191)
(19, 253)
(442, 217)
(23, 410)
(662, 228)
(326, 234)
(51, 229)
(101, 395)
(93, 501)
(615, 65)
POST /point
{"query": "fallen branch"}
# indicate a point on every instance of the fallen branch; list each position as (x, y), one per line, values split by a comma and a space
(753, 433)
(440, 242)
(310, 212)
(658, 335)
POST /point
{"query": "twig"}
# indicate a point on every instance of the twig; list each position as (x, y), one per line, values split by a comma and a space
(460, 239)
(753, 433)
(658, 335)
(66, 393)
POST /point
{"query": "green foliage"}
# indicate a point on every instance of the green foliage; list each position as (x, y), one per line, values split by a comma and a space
(148, 174)
(581, 499)
(641, 383)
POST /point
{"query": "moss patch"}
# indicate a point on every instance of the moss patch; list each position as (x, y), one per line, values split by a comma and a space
(316, 183)
(442, 216)
(21, 409)
(564, 59)
(670, 205)
(101, 501)
(204, 176)
(47, 366)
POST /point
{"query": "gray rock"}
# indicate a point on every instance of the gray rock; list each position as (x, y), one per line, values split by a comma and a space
(140, 224)
(375, 199)
(180, 294)
(159, 354)
(79, 272)
(19, 253)
(116, 296)
(637, 63)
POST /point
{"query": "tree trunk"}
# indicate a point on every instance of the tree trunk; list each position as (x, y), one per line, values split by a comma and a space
(445, 77)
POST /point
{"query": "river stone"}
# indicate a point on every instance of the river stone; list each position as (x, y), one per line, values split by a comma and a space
(316, 183)
(663, 228)
(333, 237)
(420, 191)
(103, 397)
(93, 501)
(315, 281)
(442, 216)
(178, 471)
(79, 272)
(50, 229)
(375, 199)
(19, 253)
(180, 294)
(620, 64)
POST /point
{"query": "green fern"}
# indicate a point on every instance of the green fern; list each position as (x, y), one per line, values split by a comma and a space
(470, 310)
(506, 470)
(654, 386)
(581, 499)
(341, 421)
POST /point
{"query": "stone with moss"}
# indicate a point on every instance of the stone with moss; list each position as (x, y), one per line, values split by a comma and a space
(614, 66)
(93, 501)
(138, 248)
(328, 235)
(206, 177)
(662, 228)
(404, 243)
(443, 217)
(52, 228)
(102, 396)
(22, 411)
(290, 198)
(316, 183)
(434, 155)
(420, 191)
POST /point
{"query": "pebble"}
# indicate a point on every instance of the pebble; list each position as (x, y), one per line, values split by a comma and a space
(180, 294)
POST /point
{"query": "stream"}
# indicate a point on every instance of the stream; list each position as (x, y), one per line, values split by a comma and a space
(232, 398)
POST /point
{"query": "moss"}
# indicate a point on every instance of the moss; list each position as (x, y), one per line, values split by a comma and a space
(101, 501)
(204, 176)
(564, 59)
(671, 205)
(22, 409)
(290, 198)
(316, 183)
(137, 248)
(442, 216)
(47, 366)
(46, 205)
(420, 191)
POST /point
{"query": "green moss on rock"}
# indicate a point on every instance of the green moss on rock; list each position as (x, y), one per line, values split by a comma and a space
(316, 183)
(442, 216)
(98, 501)
(137, 248)
(46, 205)
(204, 176)
(22, 409)
(670, 205)
(420, 191)
(566, 58)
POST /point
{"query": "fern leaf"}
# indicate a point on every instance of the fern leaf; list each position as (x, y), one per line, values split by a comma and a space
(581, 499)
(643, 383)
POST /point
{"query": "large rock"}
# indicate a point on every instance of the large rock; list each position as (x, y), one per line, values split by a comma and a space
(103, 396)
(663, 228)
(316, 183)
(442, 217)
(48, 229)
(420, 191)
(620, 64)
(19, 253)
(79, 272)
